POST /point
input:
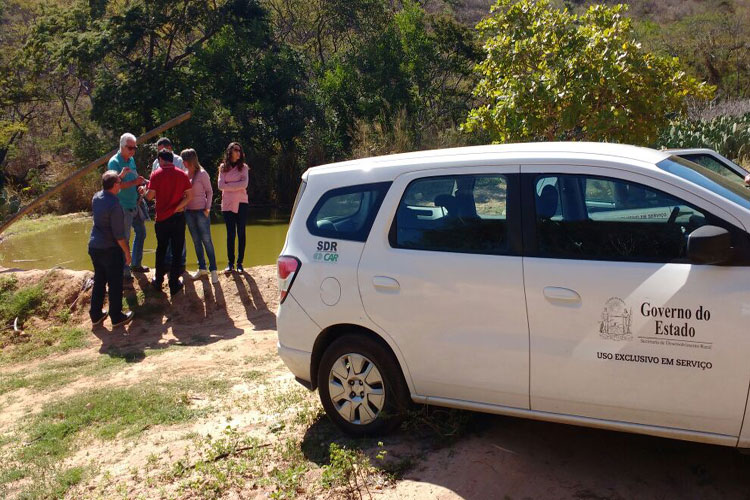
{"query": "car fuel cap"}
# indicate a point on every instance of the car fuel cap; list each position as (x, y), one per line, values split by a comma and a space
(330, 291)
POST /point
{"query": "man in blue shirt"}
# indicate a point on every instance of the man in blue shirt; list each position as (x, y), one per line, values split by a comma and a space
(124, 164)
(161, 145)
(109, 252)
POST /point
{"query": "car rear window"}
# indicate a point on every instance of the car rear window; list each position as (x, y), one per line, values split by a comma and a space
(347, 213)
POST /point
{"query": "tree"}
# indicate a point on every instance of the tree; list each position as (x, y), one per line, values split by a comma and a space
(256, 91)
(549, 74)
(21, 97)
(715, 44)
(438, 57)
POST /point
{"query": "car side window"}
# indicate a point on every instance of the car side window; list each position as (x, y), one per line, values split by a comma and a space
(612, 219)
(347, 213)
(462, 213)
(714, 165)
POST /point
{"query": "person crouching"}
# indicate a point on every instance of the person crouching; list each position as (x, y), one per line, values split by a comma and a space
(109, 252)
(172, 190)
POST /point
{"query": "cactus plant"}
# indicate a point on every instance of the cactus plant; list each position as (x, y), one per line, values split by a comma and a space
(729, 135)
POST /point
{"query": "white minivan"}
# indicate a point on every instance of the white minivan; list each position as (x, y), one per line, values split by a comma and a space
(594, 284)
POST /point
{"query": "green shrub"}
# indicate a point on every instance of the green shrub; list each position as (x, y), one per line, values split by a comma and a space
(349, 469)
(7, 284)
(20, 303)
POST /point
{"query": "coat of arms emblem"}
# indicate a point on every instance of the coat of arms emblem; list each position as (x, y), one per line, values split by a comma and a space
(616, 320)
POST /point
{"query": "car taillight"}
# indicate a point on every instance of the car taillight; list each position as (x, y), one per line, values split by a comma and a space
(288, 268)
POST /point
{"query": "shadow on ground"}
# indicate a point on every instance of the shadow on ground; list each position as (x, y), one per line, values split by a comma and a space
(188, 319)
(256, 308)
(491, 456)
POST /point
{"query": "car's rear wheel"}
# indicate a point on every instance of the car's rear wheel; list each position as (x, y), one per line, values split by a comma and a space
(361, 386)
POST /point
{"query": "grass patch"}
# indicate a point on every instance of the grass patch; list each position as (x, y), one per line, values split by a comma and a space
(254, 376)
(46, 439)
(52, 375)
(51, 484)
(67, 479)
(41, 343)
(19, 303)
(104, 414)
(8, 284)
(260, 359)
(222, 463)
(12, 382)
(22, 303)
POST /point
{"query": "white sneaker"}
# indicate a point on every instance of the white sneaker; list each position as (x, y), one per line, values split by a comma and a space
(214, 277)
(199, 274)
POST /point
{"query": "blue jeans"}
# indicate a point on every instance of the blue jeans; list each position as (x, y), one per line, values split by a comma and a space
(199, 226)
(132, 219)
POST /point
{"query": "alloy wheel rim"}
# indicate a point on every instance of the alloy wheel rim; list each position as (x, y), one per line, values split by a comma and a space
(356, 389)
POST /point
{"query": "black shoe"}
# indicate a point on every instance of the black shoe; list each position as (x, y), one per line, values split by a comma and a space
(124, 319)
(96, 322)
(140, 269)
(175, 289)
(157, 284)
(228, 269)
(240, 269)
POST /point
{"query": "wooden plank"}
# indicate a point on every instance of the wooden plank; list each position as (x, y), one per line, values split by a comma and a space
(91, 166)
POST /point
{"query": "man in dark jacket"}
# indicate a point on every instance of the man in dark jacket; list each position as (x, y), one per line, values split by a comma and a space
(109, 252)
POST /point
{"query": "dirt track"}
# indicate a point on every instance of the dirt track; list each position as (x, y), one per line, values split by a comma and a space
(222, 332)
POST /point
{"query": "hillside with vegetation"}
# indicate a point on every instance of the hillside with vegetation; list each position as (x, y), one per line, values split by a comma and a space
(302, 83)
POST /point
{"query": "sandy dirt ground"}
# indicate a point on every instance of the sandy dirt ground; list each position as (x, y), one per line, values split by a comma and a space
(228, 332)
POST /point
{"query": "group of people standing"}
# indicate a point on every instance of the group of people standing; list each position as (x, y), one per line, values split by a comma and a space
(183, 196)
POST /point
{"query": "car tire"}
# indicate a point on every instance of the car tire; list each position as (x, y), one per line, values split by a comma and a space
(361, 386)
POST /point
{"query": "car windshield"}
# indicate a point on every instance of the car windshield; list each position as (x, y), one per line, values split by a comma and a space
(707, 179)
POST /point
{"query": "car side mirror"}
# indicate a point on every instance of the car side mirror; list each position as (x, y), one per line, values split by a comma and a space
(709, 245)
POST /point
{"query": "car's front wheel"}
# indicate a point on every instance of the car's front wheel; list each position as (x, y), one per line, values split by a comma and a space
(361, 386)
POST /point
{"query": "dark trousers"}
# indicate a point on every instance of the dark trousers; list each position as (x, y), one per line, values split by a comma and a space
(170, 232)
(235, 223)
(108, 264)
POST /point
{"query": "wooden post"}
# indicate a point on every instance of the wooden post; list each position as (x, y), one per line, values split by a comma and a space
(96, 163)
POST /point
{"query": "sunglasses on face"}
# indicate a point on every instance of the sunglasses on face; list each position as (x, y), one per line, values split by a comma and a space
(131, 148)
(237, 150)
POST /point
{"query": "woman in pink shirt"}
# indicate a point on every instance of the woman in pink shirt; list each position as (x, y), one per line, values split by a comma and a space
(197, 215)
(233, 177)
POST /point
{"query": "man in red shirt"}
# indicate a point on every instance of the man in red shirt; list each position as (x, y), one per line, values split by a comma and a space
(172, 190)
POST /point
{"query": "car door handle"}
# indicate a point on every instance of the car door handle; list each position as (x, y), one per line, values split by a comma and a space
(559, 294)
(385, 283)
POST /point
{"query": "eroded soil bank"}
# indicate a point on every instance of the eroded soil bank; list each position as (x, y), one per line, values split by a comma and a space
(191, 401)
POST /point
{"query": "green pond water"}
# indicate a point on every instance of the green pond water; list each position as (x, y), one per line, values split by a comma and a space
(67, 244)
